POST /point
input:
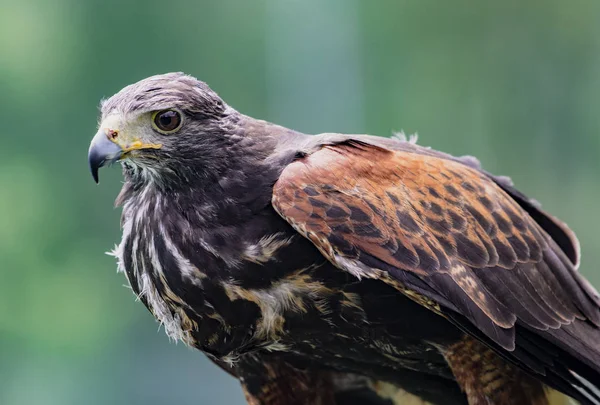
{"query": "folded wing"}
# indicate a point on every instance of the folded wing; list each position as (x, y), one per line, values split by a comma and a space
(448, 235)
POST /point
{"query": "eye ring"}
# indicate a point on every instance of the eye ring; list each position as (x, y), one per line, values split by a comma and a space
(167, 121)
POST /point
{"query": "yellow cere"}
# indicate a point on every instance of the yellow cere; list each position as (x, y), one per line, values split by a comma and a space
(140, 145)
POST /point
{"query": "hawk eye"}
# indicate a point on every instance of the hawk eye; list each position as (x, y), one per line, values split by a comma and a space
(167, 121)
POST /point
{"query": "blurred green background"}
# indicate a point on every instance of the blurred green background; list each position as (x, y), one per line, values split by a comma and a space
(516, 83)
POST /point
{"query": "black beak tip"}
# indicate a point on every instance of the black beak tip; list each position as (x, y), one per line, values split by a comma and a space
(96, 161)
(94, 171)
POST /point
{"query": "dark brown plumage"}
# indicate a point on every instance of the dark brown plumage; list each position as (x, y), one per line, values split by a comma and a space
(343, 268)
(486, 377)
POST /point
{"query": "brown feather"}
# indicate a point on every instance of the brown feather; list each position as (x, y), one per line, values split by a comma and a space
(270, 380)
(488, 379)
(437, 227)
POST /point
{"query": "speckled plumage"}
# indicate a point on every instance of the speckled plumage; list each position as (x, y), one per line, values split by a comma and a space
(335, 267)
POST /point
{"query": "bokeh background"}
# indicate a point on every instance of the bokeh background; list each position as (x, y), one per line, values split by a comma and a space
(516, 83)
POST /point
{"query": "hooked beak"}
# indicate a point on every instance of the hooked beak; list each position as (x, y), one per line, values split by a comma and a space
(108, 146)
(102, 151)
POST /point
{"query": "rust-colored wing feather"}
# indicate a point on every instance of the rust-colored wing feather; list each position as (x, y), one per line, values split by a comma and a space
(446, 234)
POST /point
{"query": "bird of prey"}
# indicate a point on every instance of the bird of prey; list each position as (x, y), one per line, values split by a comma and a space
(343, 269)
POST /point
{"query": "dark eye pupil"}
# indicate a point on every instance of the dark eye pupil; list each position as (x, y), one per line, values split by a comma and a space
(167, 120)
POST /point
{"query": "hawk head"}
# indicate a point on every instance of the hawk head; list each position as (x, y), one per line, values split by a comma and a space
(170, 128)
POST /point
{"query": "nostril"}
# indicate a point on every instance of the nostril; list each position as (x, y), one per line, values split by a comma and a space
(112, 134)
